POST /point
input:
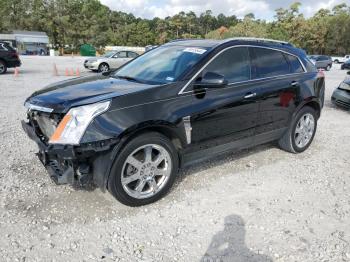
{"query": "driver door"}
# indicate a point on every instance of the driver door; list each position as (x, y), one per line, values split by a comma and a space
(227, 114)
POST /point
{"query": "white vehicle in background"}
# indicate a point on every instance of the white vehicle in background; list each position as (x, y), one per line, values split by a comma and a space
(339, 59)
(109, 61)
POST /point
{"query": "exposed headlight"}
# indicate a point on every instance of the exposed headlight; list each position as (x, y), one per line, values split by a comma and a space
(344, 86)
(73, 125)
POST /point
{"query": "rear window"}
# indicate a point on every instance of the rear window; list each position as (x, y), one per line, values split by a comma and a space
(270, 63)
(295, 66)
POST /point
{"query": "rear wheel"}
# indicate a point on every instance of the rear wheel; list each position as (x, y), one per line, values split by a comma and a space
(301, 132)
(104, 67)
(144, 171)
(3, 67)
(336, 61)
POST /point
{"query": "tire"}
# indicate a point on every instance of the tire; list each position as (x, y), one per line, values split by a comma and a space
(132, 191)
(328, 68)
(3, 67)
(336, 61)
(289, 140)
(103, 67)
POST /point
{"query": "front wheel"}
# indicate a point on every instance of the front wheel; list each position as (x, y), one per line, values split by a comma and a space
(328, 68)
(104, 67)
(301, 131)
(144, 170)
(3, 67)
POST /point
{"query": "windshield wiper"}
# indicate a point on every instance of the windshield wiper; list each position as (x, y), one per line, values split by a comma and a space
(129, 78)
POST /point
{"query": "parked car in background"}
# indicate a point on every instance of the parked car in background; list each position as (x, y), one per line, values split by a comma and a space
(109, 61)
(345, 65)
(186, 101)
(321, 61)
(339, 59)
(341, 95)
(8, 57)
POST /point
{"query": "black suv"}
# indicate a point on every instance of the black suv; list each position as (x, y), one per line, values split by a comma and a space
(130, 131)
(8, 57)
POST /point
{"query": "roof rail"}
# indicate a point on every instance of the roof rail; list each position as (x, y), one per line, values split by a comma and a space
(260, 40)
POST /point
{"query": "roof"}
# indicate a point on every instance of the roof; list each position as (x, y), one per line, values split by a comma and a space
(7, 37)
(211, 43)
(30, 33)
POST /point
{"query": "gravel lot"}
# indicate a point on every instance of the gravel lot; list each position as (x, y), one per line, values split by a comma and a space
(261, 204)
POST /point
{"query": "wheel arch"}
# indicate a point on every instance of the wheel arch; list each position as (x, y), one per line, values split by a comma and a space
(169, 130)
(313, 103)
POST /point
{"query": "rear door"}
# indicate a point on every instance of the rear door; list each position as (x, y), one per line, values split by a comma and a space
(278, 75)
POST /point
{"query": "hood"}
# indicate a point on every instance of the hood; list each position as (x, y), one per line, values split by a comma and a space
(83, 90)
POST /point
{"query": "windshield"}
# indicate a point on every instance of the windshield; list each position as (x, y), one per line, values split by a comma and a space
(108, 54)
(161, 65)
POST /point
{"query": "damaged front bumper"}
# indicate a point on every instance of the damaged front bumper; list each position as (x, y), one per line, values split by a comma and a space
(75, 165)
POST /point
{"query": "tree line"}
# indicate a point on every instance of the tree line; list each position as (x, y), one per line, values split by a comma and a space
(75, 22)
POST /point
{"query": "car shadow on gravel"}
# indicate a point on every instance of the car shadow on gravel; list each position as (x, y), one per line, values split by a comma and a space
(223, 159)
(229, 244)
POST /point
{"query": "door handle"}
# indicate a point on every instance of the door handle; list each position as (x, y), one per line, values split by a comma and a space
(249, 95)
(294, 83)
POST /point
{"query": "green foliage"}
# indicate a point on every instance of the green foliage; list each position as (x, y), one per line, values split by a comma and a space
(327, 32)
(75, 22)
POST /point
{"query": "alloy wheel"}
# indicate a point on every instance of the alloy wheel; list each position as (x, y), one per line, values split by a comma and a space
(146, 171)
(304, 130)
(2, 68)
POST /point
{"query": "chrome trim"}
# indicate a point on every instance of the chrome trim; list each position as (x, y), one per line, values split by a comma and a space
(182, 91)
(30, 106)
(258, 39)
(188, 128)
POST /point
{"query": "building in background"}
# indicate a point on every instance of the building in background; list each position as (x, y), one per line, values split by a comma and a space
(27, 42)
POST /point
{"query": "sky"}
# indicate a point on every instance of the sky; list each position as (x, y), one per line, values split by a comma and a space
(263, 9)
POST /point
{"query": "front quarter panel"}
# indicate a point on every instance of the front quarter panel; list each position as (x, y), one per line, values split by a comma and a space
(157, 107)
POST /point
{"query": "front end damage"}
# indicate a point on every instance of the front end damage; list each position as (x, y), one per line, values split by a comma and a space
(77, 165)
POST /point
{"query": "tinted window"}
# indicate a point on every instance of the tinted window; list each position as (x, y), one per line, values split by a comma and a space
(233, 63)
(2, 47)
(270, 62)
(132, 54)
(295, 66)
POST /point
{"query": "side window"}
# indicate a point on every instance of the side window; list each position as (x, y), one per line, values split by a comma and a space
(233, 63)
(132, 54)
(295, 66)
(270, 63)
(121, 54)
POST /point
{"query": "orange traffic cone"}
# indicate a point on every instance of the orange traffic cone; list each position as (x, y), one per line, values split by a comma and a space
(71, 72)
(55, 71)
(77, 72)
(67, 73)
(16, 72)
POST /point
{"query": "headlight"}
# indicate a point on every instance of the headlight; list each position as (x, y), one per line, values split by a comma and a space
(344, 86)
(73, 125)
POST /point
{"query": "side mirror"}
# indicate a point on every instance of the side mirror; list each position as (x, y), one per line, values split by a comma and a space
(211, 80)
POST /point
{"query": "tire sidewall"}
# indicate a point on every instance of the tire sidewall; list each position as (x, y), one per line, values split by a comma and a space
(114, 181)
(302, 112)
(100, 67)
(5, 67)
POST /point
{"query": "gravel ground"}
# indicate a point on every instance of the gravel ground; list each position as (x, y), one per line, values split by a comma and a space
(261, 204)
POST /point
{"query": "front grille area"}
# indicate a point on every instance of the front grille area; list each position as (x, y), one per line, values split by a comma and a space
(343, 103)
(44, 123)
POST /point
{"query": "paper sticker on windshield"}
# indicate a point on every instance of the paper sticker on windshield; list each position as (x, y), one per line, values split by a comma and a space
(195, 50)
(169, 78)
